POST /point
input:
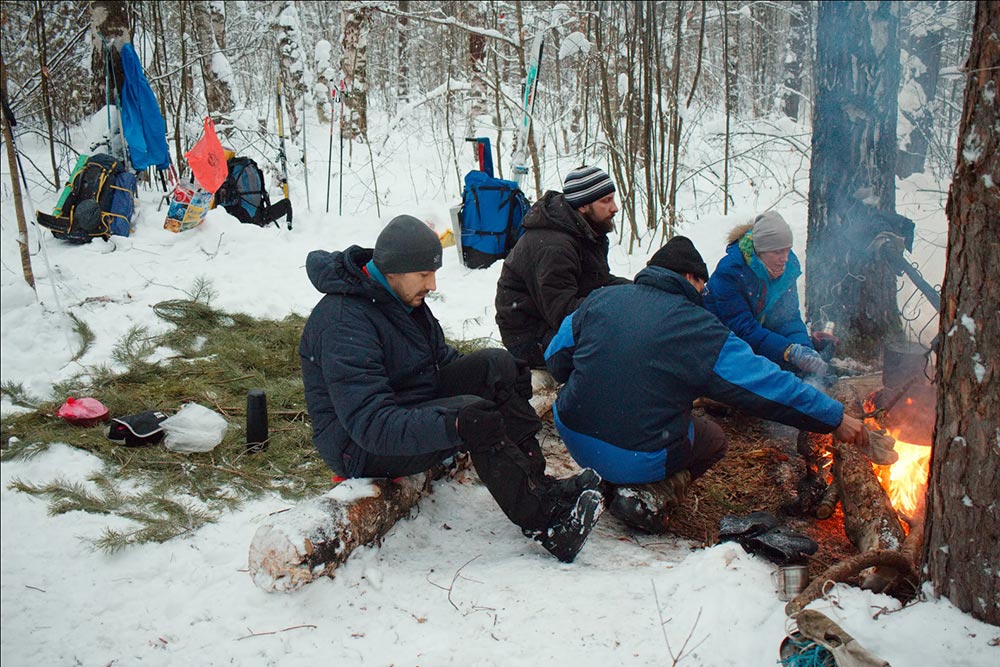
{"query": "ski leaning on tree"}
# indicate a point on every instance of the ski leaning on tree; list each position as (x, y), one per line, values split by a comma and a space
(561, 257)
(753, 291)
(388, 397)
(645, 442)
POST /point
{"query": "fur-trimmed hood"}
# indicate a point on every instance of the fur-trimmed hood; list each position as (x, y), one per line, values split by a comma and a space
(737, 232)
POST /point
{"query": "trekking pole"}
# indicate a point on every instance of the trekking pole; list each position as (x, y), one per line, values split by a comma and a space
(329, 155)
(305, 164)
(281, 155)
(520, 160)
(340, 203)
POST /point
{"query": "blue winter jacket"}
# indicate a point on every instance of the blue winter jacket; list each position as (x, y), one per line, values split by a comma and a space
(366, 362)
(763, 312)
(634, 358)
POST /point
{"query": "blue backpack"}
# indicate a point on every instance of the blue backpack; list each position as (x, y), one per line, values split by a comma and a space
(492, 209)
(244, 195)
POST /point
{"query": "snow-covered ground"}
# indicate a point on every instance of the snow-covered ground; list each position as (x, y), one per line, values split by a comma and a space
(458, 584)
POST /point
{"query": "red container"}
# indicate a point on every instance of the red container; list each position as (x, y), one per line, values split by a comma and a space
(83, 411)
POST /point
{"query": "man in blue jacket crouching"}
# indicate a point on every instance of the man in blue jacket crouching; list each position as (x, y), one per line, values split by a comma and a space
(657, 346)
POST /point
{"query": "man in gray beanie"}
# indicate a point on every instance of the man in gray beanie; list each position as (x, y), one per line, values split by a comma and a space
(389, 397)
(754, 292)
(560, 259)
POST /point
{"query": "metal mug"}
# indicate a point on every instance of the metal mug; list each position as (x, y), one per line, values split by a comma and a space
(790, 580)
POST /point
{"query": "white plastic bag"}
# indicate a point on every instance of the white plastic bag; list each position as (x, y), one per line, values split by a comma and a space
(194, 428)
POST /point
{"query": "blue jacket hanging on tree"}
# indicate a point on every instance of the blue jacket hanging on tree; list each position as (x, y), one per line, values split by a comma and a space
(142, 123)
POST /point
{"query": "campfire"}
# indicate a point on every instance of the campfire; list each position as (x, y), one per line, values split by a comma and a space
(905, 481)
(905, 409)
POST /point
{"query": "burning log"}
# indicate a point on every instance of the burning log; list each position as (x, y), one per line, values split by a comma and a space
(870, 521)
(828, 503)
(314, 538)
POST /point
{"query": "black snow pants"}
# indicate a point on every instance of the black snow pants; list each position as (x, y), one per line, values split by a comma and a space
(513, 473)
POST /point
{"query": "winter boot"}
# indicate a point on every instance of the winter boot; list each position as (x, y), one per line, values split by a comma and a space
(569, 530)
(571, 487)
(648, 506)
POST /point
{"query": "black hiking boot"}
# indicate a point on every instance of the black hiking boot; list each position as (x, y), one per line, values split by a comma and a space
(571, 487)
(566, 535)
(648, 506)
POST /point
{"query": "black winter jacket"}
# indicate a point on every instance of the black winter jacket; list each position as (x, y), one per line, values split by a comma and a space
(556, 263)
(366, 362)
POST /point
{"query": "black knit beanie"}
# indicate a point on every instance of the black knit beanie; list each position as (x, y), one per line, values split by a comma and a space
(586, 185)
(407, 245)
(680, 255)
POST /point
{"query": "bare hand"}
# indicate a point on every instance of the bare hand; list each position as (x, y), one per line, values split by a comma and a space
(852, 430)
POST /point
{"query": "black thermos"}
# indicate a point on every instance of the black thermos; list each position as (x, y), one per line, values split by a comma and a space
(256, 420)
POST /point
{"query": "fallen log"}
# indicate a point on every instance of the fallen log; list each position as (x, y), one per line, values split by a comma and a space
(848, 568)
(312, 539)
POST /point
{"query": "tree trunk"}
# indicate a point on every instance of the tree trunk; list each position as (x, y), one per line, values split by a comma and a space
(15, 184)
(315, 537)
(109, 30)
(354, 63)
(477, 70)
(795, 57)
(852, 176)
(962, 549)
(214, 64)
(292, 64)
(921, 65)
(402, 57)
(43, 66)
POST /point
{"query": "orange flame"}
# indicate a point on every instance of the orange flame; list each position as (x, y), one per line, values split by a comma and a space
(906, 480)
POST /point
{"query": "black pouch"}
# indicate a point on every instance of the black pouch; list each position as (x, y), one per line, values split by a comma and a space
(138, 429)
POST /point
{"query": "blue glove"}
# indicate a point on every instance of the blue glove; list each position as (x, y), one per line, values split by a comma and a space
(806, 359)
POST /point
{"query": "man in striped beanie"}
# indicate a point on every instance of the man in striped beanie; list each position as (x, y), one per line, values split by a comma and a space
(560, 259)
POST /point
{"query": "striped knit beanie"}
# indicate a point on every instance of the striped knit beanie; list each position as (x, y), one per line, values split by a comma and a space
(586, 185)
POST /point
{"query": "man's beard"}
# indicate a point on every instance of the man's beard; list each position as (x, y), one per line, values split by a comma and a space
(605, 226)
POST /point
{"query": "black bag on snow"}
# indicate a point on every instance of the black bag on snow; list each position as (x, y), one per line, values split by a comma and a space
(492, 209)
(100, 203)
(136, 430)
(244, 195)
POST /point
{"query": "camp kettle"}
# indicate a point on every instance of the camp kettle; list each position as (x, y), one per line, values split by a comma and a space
(790, 580)
(256, 421)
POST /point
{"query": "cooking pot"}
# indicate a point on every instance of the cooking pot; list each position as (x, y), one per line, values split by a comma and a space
(902, 361)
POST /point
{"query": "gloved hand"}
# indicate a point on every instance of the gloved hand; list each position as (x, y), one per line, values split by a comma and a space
(480, 424)
(881, 448)
(806, 359)
(522, 384)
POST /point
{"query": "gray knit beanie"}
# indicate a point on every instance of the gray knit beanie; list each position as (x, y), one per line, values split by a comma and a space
(407, 245)
(771, 232)
(586, 185)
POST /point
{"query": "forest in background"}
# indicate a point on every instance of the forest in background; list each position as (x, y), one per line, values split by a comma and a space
(625, 84)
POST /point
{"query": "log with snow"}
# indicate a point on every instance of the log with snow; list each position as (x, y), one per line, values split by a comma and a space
(315, 537)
